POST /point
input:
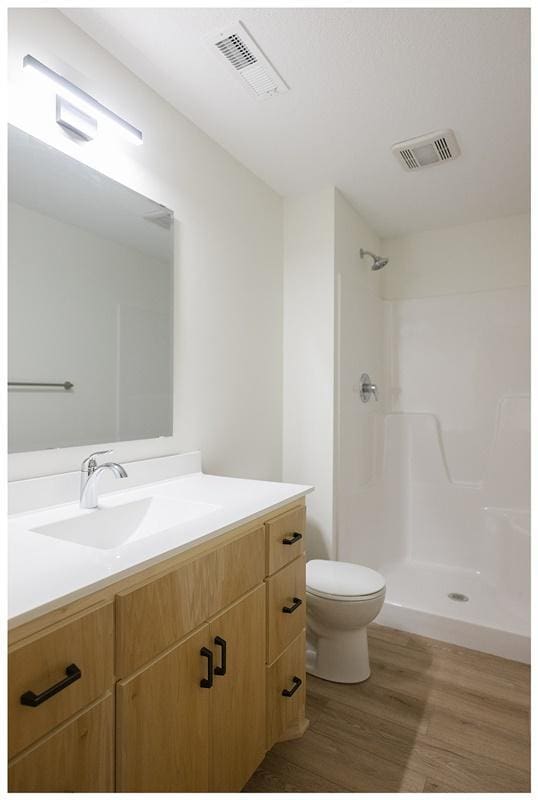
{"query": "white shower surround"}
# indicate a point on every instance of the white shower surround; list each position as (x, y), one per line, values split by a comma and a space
(433, 482)
(430, 536)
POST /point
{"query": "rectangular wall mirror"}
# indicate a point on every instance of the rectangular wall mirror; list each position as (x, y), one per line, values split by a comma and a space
(90, 273)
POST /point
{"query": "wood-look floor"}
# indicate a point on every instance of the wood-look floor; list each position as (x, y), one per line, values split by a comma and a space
(433, 717)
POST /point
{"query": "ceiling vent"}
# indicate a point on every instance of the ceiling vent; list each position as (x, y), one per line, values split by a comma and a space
(427, 150)
(238, 49)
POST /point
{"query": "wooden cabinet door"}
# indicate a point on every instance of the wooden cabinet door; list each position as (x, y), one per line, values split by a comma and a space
(78, 757)
(87, 642)
(237, 714)
(163, 722)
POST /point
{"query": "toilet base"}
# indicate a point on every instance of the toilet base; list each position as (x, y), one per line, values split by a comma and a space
(341, 658)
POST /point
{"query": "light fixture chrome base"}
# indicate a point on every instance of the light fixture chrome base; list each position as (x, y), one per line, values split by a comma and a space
(74, 120)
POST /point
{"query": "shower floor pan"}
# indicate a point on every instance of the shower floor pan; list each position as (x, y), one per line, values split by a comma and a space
(418, 601)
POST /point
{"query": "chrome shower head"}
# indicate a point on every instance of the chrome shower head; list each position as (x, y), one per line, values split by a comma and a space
(379, 261)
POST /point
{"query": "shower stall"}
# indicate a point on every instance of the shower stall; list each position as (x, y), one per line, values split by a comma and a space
(432, 476)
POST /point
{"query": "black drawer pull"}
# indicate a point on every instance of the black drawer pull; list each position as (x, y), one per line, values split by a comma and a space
(222, 644)
(295, 537)
(290, 609)
(72, 674)
(296, 683)
(207, 683)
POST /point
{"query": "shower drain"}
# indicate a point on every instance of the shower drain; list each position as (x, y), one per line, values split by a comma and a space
(458, 596)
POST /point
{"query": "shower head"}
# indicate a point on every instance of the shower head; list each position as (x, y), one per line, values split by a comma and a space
(379, 262)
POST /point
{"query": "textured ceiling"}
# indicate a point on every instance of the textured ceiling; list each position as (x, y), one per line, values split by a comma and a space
(361, 79)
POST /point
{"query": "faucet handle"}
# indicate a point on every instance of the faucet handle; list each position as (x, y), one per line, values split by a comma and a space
(89, 463)
(367, 388)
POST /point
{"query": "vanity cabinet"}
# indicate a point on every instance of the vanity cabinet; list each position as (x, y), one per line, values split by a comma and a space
(189, 671)
(194, 719)
(40, 693)
(286, 693)
(237, 698)
(286, 615)
(163, 722)
(76, 757)
(285, 538)
(286, 620)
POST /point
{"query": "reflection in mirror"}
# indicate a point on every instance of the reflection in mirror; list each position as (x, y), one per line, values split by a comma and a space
(90, 270)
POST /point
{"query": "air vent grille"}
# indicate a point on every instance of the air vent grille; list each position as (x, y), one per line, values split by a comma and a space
(409, 158)
(247, 61)
(236, 51)
(427, 150)
(443, 150)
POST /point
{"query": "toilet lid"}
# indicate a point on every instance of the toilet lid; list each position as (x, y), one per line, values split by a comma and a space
(342, 579)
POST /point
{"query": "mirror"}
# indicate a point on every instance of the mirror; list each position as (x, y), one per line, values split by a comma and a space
(90, 272)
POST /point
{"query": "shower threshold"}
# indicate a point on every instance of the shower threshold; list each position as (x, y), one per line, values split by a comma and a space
(455, 605)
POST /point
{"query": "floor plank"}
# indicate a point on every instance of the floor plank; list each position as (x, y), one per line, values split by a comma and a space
(433, 717)
(338, 759)
(276, 774)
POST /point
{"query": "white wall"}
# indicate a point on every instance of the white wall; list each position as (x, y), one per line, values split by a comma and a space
(228, 281)
(333, 331)
(309, 358)
(360, 339)
(360, 347)
(75, 303)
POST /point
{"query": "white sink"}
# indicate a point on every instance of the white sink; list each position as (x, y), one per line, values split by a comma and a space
(115, 525)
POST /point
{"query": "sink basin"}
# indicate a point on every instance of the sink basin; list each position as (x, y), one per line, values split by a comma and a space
(111, 526)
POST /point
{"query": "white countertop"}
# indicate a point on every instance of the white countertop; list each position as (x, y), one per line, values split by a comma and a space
(46, 572)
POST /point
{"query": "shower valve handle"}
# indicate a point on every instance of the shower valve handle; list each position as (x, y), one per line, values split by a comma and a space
(367, 388)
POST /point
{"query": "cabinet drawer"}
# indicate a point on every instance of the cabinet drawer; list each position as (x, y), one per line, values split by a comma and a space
(41, 664)
(235, 569)
(78, 757)
(152, 617)
(286, 712)
(285, 538)
(285, 607)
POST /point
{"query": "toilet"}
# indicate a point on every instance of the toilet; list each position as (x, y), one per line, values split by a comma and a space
(341, 600)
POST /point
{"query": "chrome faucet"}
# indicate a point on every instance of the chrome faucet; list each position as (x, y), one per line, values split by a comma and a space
(89, 475)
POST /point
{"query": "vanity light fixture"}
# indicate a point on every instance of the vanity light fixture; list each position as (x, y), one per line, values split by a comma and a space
(75, 120)
(77, 110)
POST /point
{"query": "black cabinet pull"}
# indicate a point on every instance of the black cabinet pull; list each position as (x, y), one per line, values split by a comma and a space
(295, 537)
(222, 644)
(296, 683)
(290, 609)
(72, 674)
(207, 683)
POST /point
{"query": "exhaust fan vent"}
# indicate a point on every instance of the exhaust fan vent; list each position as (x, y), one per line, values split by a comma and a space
(427, 151)
(247, 61)
(409, 158)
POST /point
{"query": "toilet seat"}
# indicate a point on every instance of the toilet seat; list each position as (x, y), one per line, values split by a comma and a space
(343, 581)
